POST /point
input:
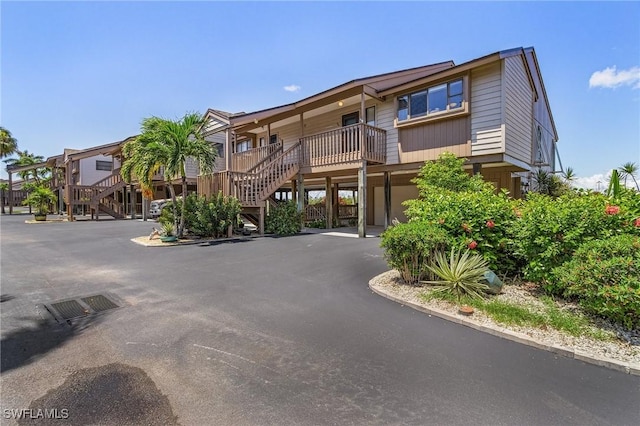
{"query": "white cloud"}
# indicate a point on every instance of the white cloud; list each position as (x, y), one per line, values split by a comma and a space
(292, 88)
(611, 78)
(599, 181)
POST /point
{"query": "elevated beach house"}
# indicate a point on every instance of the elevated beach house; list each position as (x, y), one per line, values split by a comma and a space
(372, 135)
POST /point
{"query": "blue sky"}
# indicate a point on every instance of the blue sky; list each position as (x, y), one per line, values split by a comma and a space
(80, 74)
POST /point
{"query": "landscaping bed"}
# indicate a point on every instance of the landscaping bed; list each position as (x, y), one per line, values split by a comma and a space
(594, 337)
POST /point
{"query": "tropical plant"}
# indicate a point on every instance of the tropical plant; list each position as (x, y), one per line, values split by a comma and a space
(614, 188)
(409, 247)
(8, 144)
(604, 277)
(167, 229)
(447, 172)
(629, 170)
(168, 144)
(460, 275)
(284, 219)
(4, 187)
(25, 159)
(569, 175)
(41, 198)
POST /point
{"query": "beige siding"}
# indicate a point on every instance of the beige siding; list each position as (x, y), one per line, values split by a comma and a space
(290, 133)
(541, 115)
(425, 142)
(518, 102)
(385, 115)
(191, 168)
(487, 132)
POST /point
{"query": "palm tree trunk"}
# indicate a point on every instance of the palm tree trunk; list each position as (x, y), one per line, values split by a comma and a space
(173, 204)
(2, 201)
(184, 205)
(636, 182)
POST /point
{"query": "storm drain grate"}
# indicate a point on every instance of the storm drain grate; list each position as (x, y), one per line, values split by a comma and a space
(70, 309)
(99, 303)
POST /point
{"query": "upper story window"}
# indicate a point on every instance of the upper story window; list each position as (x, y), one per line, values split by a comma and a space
(443, 97)
(245, 145)
(104, 165)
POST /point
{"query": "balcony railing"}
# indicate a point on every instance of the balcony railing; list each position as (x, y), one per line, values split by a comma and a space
(345, 145)
(250, 159)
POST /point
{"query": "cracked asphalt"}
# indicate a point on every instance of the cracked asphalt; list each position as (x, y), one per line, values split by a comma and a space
(268, 331)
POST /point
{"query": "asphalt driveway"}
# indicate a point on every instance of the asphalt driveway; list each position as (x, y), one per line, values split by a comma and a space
(269, 331)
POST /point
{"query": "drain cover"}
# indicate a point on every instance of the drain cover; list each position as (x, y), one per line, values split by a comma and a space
(66, 310)
(70, 309)
(99, 303)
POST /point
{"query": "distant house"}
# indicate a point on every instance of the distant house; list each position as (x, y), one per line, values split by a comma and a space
(371, 136)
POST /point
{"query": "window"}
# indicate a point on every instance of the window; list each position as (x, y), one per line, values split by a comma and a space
(349, 119)
(104, 165)
(220, 149)
(370, 114)
(273, 139)
(443, 97)
(244, 145)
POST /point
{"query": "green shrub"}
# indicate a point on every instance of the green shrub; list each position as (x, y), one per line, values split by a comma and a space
(447, 172)
(604, 276)
(551, 230)
(481, 221)
(409, 246)
(205, 217)
(213, 216)
(284, 219)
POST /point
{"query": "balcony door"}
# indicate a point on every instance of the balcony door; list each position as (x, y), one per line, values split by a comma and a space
(351, 135)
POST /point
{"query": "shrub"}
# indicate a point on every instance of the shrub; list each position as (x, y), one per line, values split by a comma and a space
(215, 215)
(284, 219)
(604, 276)
(551, 230)
(481, 221)
(205, 217)
(447, 172)
(460, 275)
(409, 246)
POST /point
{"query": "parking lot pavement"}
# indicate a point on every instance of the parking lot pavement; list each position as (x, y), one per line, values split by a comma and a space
(263, 331)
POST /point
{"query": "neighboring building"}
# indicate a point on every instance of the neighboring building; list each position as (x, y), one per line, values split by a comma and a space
(372, 135)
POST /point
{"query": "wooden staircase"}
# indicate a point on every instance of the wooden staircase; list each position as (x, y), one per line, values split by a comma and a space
(99, 197)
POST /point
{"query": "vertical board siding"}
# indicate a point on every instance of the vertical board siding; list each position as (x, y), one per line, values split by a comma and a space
(518, 103)
(487, 132)
(385, 116)
(426, 142)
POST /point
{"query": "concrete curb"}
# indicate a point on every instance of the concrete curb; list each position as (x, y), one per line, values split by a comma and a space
(622, 366)
(212, 242)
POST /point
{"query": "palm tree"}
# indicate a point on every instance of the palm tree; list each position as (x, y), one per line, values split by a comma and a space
(26, 158)
(168, 144)
(629, 170)
(569, 175)
(8, 144)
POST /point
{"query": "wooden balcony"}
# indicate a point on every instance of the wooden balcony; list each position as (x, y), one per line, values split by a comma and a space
(247, 160)
(348, 144)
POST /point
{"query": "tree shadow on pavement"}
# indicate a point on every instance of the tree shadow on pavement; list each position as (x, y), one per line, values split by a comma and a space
(25, 345)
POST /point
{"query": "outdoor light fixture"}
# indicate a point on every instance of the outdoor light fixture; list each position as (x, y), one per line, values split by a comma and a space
(340, 103)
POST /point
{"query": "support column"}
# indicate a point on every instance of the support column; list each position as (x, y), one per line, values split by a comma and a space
(300, 185)
(387, 200)
(261, 221)
(69, 189)
(362, 200)
(132, 201)
(294, 191)
(10, 192)
(228, 149)
(336, 202)
(328, 200)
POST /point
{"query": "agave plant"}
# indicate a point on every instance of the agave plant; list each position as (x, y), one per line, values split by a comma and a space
(460, 275)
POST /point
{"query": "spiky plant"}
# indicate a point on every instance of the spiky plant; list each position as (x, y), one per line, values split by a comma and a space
(460, 274)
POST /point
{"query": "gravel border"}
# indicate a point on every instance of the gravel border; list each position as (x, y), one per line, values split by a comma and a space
(614, 354)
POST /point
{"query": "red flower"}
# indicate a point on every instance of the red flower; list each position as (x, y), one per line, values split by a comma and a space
(472, 245)
(612, 210)
(490, 224)
(636, 222)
